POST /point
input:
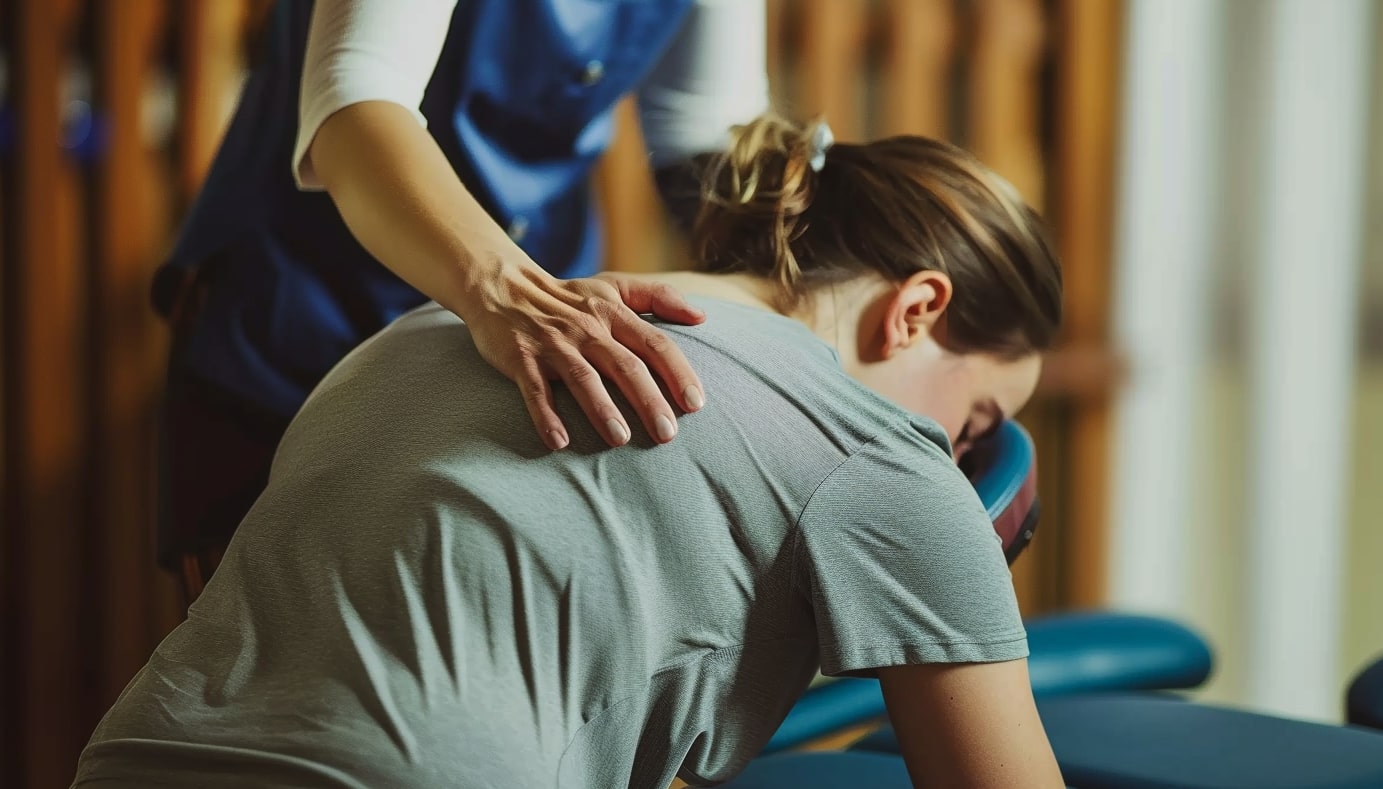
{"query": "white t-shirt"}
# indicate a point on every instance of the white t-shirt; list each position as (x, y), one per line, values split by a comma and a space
(714, 73)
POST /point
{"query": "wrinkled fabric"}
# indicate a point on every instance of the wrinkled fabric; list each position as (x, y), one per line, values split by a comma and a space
(426, 596)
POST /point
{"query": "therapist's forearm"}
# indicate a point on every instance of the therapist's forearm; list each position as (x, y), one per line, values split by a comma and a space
(402, 201)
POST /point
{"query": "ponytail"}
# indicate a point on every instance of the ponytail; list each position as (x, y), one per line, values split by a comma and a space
(754, 202)
(775, 206)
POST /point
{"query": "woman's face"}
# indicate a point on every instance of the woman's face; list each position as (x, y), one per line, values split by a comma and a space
(968, 394)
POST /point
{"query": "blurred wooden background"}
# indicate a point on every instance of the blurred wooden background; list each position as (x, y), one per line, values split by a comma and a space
(110, 113)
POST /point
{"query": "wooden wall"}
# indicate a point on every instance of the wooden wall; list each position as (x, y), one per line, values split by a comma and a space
(116, 109)
(111, 114)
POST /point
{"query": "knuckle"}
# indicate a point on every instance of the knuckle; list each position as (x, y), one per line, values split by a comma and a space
(598, 305)
(586, 327)
(658, 343)
(553, 336)
(629, 364)
(580, 373)
(605, 288)
(532, 391)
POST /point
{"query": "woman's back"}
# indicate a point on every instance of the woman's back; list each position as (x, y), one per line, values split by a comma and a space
(426, 596)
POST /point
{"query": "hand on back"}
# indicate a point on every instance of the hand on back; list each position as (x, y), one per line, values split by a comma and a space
(587, 333)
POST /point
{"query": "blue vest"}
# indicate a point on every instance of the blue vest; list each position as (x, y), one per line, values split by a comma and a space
(520, 103)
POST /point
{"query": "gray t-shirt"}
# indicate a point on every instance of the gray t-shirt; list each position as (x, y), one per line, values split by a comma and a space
(425, 596)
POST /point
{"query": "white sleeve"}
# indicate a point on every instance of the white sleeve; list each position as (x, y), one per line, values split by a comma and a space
(366, 50)
(713, 76)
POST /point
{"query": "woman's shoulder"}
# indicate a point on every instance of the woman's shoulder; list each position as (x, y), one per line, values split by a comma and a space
(902, 477)
(770, 345)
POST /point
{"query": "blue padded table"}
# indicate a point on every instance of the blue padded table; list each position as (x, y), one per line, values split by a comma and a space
(1140, 741)
(1135, 741)
(823, 770)
(1086, 652)
(1071, 653)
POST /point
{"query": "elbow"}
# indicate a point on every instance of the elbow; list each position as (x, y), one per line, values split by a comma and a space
(324, 143)
(313, 161)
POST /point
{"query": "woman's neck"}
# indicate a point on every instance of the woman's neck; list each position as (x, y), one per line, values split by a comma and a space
(835, 313)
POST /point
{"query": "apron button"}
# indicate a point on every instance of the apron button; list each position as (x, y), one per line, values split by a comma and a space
(593, 73)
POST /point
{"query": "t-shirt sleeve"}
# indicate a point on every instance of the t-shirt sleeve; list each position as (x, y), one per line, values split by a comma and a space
(712, 76)
(366, 50)
(902, 565)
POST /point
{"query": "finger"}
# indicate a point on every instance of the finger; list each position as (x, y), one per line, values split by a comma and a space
(584, 382)
(633, 378)
(664, 357)
(537, 396)
(657, 298)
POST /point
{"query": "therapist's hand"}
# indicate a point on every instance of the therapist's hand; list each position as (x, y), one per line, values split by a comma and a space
(403, 202)
(536, 329)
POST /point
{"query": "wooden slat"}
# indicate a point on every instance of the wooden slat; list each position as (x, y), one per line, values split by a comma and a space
(917, 67)
(1085, 371)
(1087, 84)
(633, 215)
(211, 66)
(10, 725)
(50, 369)
(1003, 130)
(1087, 74)
(831, 65)
(776, 28)
(256, 16)
(1039, 572)
(133, 221)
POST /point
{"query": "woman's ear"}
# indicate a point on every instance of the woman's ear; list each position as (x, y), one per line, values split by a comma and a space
(915, 309)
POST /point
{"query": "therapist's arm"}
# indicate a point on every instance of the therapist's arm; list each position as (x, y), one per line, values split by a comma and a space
(972, 725)
(363, 142)
(712, 76)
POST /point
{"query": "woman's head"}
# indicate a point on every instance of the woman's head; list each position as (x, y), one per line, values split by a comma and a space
(972, 284)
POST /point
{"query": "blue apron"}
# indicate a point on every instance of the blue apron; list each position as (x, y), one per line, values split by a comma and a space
(520, 103)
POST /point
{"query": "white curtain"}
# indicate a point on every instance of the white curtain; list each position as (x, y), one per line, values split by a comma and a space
(1241, 218)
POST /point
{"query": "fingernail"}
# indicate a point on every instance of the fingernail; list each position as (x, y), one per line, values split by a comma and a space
(694, 398)
(556, 440)
(617, 431)
(666, 429)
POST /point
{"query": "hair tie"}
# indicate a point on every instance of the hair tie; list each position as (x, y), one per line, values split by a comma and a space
(822, 140)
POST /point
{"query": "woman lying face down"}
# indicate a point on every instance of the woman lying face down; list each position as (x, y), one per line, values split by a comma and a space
(427, 596)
